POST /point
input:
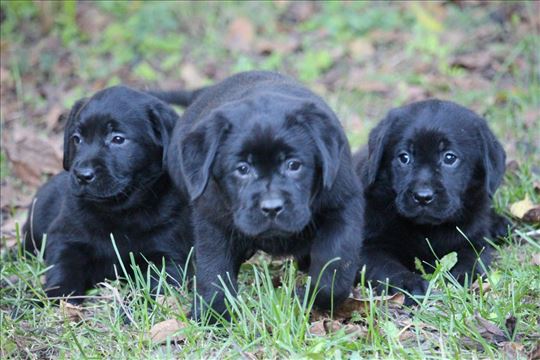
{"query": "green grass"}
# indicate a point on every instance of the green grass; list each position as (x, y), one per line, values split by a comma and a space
(145, 44)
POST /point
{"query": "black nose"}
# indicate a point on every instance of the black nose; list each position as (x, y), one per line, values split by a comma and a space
(423, 196)
(84, 175)
(272, 207)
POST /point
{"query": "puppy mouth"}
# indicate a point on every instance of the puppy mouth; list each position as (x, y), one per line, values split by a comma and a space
(424, 216)
(115, 192)
(268, 230)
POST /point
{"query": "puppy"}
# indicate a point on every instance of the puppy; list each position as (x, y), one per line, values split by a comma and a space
(430, 169)
(267, 166)
(115, 183)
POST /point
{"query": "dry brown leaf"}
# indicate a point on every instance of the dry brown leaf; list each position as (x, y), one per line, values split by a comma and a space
(535, 353)
(355, 331)
(31, 156)
(328, 326)
(298, 11)
(490, 331)
(191, 76)
(285, 46)
(476, 286)
(513, 350)
(520, 208)
(536, 259)
(532, 216)
(72, 312)
(357, 80)
(53, 115)
(360, 305)
(241, 34)
(160, 332)
(473, 61)
(360, 49)
(512, 167)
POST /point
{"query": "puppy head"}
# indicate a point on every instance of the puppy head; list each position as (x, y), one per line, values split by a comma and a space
(114, 141)
(269, 157)
(434, 155)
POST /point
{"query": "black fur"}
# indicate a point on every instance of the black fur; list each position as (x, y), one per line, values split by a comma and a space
(267, 166)
(114, 182)
(416, 190)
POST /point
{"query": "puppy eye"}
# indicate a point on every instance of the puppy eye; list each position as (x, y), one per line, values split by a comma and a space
(449, 159)
(76, 139)
(243, 169)
(118, 140)
(404, 158)
(293, 165)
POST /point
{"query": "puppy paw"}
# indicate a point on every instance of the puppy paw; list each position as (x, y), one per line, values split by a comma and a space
(499, 226)
(413, 284)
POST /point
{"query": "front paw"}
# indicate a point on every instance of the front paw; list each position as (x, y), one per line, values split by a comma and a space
(55, 294)
(500, 226)
(412, 284)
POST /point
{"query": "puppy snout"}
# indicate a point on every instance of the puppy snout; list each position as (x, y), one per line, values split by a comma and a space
(272, 206)
(423, 196)
(84, 175)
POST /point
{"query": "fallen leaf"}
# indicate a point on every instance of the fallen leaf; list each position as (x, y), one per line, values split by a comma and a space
(317, 328)
(328, 326)
(283, 47)
(531, 117)
(535, 353)
(536, 259)
(360, 49)
(31, 156)
(8, 229)
(241, 34)
(166, 330)
(191, 76)
(532, 216)
(513, 350)
(489, 330)
(13, 197)
(357, 80)
(476, 286)
(473, 61)
(512, 167)
(360, 305)
(52, 118)
(298, 11)
(355, 331)
(520, 208)
(72, 312)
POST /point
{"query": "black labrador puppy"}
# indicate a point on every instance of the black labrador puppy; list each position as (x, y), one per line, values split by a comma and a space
(114, 182)
(431, 167)
(268, 166)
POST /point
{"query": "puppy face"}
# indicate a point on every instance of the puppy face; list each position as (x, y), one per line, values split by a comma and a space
(435, 155)
(113, 143)
(269, 162)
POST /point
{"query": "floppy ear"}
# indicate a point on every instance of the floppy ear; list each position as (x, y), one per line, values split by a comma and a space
(198, 151)
(69, 148)
(163, 119)
(324, 128)
(378, 141)
(493, 159)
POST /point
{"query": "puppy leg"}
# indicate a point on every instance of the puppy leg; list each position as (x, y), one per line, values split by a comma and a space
(499, 225)
(470, 265)
(334, 256)
(385, 269)
(216, 267)
(67, 277)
